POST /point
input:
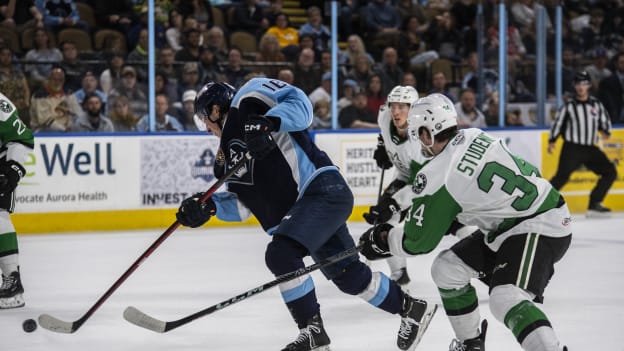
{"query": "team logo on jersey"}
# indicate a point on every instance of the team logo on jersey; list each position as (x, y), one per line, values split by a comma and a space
(419, 183)
(236, 151)
(5, 106)
(459, 138)
(566, 221)
(202, 168)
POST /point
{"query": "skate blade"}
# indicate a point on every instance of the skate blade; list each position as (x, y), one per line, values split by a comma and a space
(596, 214)
(16, 301)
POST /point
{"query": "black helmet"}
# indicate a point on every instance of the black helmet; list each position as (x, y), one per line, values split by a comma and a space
(582, 76)
(220, 94)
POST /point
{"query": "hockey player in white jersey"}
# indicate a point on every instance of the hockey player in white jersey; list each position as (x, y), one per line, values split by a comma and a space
(393, 150)
(526, 227)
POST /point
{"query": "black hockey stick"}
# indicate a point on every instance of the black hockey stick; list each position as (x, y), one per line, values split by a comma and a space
(134, 316)
(56, 325)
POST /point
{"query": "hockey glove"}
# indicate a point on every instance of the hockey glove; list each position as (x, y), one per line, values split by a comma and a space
(383, 211)
(10, 174)
(374, 242)
(381, 156)
(258, 136)
(193, 214)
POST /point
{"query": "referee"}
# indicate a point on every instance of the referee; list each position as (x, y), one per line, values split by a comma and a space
(579, 121)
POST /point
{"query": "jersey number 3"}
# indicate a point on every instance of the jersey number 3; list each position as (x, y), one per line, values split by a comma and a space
(511, 182)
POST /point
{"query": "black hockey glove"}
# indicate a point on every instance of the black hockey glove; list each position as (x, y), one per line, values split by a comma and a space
(193, 214)
(381, 156)
(10, 174)
(383, 211)
(258, 136)
(374, 242)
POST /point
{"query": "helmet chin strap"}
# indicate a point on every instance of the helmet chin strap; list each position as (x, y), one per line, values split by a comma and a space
(427, 150)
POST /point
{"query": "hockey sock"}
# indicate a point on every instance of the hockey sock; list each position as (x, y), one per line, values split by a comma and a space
(8, 252)
(462, 309)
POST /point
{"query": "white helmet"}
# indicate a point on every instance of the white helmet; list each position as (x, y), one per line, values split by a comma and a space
(435, 112)
(403, 94)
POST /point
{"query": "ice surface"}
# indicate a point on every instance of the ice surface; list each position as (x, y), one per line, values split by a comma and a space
(65, 274)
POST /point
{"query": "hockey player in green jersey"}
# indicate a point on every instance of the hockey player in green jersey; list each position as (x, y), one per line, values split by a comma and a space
(525, 225)
(16, 142)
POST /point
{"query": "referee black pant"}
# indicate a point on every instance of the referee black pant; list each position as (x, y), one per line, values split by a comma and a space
(573, 156)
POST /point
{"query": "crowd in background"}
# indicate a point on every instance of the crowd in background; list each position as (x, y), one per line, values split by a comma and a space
(62, 83)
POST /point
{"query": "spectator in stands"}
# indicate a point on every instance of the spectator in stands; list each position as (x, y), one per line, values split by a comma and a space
(215, 40)
(596, 33)
(191, 48)
(249, 17)
(201, 10)
(134, 34)
(412, 49)
(322, 115)
(322, 92)
(569, 67)
(139, 55)
(349, 88)
(315, 28)
(490, 76)
(389, 70)
(13, 84)
(444, 38)
(438, 85)
(361, 72)
(115, 14)
(468, 115)
(52, 107)
(189, 80)
(60, 14)
(381, 20)
(165, 64)
(307, 75)
(234, 72)
(188, 110)
(524, 12)
(286, 75)
(111, 44)
(162, 85)
(122, 117)
(287, 36)
(20, 15)
(111, 75)
(130, 88)
(358, 115)
(89, 85)
(598, 69)
(41, 52)
(269, 51)
(74, 68)
(409, 80)
(516, 50)
(409, 8)
(490, 110)
(174, 32)
(189, 23)
(611, 90)
(355, 48)
(164, 122)
(375, 94)
(209, 70)
(93, 119)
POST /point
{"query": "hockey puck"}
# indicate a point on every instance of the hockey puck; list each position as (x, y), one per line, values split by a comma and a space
(29, 325)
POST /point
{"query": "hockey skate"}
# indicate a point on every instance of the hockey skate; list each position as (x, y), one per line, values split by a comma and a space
(401, 277)
(474, 344)
(596, 210)
(11, 291)
(311, 338)
(415, 318)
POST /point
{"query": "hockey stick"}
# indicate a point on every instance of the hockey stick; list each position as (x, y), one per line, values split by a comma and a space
(135, 316)
(56, 325)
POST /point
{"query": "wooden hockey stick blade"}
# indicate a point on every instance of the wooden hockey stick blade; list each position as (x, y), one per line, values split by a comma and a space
(56, 325)
(141, 319)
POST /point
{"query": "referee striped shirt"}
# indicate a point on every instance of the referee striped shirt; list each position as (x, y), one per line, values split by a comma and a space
(578, 122)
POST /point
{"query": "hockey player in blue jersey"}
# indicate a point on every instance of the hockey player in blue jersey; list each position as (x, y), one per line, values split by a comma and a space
(300, 199)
